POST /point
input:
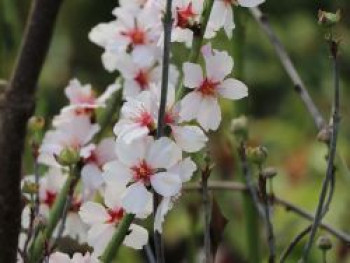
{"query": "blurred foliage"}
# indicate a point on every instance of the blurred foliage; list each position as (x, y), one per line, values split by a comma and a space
(278, 119)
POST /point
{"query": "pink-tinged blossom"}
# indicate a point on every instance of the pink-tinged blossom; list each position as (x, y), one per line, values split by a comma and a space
(186, 15)
(139, 117)
(103, 221)
(221, 15)
(59, 257)
(190, 138)
(91, 173)
(185, 168)
(50, 185)
(82, 101)
(140, 71)
(134, 29)
(74, 133)
(202, 103)
(143, 165)
(136, 198)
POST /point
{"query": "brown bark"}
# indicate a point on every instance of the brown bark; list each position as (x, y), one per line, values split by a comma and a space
(16, 106)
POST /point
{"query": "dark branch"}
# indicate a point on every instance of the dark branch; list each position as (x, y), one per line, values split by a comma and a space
(16, 106)
(288, 66)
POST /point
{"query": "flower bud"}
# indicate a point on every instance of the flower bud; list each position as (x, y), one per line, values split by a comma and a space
(269, 172)
(328, 19)
(324, 243)
(257, 155)
(30, 188)
(68, 156)
(239, 127)
(324, 135)
(36, 123)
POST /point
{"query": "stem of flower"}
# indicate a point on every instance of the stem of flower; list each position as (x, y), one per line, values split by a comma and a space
(332, 151)
(113, 246)
(37, 248)
(168, 24)
(207, 215)
(197, 41)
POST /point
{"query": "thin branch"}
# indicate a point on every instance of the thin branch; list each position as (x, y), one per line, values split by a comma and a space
(149, 253)
(268, 222)
(294, 242)
(198, 35)
(306, 215)
(167, 24)
(289, 67)
(16, 106)
(307, 230)
(42, 239)
(63, 221)
(332, 151)
(236, 186)
(249, 180)
(207, 214)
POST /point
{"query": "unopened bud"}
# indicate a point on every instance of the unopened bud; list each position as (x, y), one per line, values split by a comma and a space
(68, 156)
(30, 188)
(324, 243)
(257, 155)
(36, 123)
(269, 172)
(328, 19)
(324, 135)
(239, 127)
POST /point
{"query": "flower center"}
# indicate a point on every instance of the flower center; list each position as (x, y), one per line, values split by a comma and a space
(115, 215)
(50, 198)
(185, 16)
(145, 120)
(208, 87)
(76, 204)
(83, 111)
(143, 172)
(136, 36)
(142, 79)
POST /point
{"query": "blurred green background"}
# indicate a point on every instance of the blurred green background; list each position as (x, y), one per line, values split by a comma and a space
(277, 117)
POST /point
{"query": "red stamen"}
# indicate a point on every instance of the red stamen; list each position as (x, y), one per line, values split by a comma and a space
(50, 198)
(208, 87)
(184, 16)
(143, 172)
(115, 215)
(142, 79)
(136, 35)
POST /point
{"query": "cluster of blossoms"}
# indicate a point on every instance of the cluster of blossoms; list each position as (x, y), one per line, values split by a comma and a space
(119, 175)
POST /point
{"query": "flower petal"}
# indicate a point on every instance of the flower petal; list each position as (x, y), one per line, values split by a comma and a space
(166, 184)
(209, 114)
(189, 138)
(250, 3)
(136, 198)
(164, 207)
(189, 106)
(93, 213)
(218, 66)
(233, 89)
(193, 75)
(132, 153)
(163, 153)
(137, 238)
(99, 236)
(185, 168)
